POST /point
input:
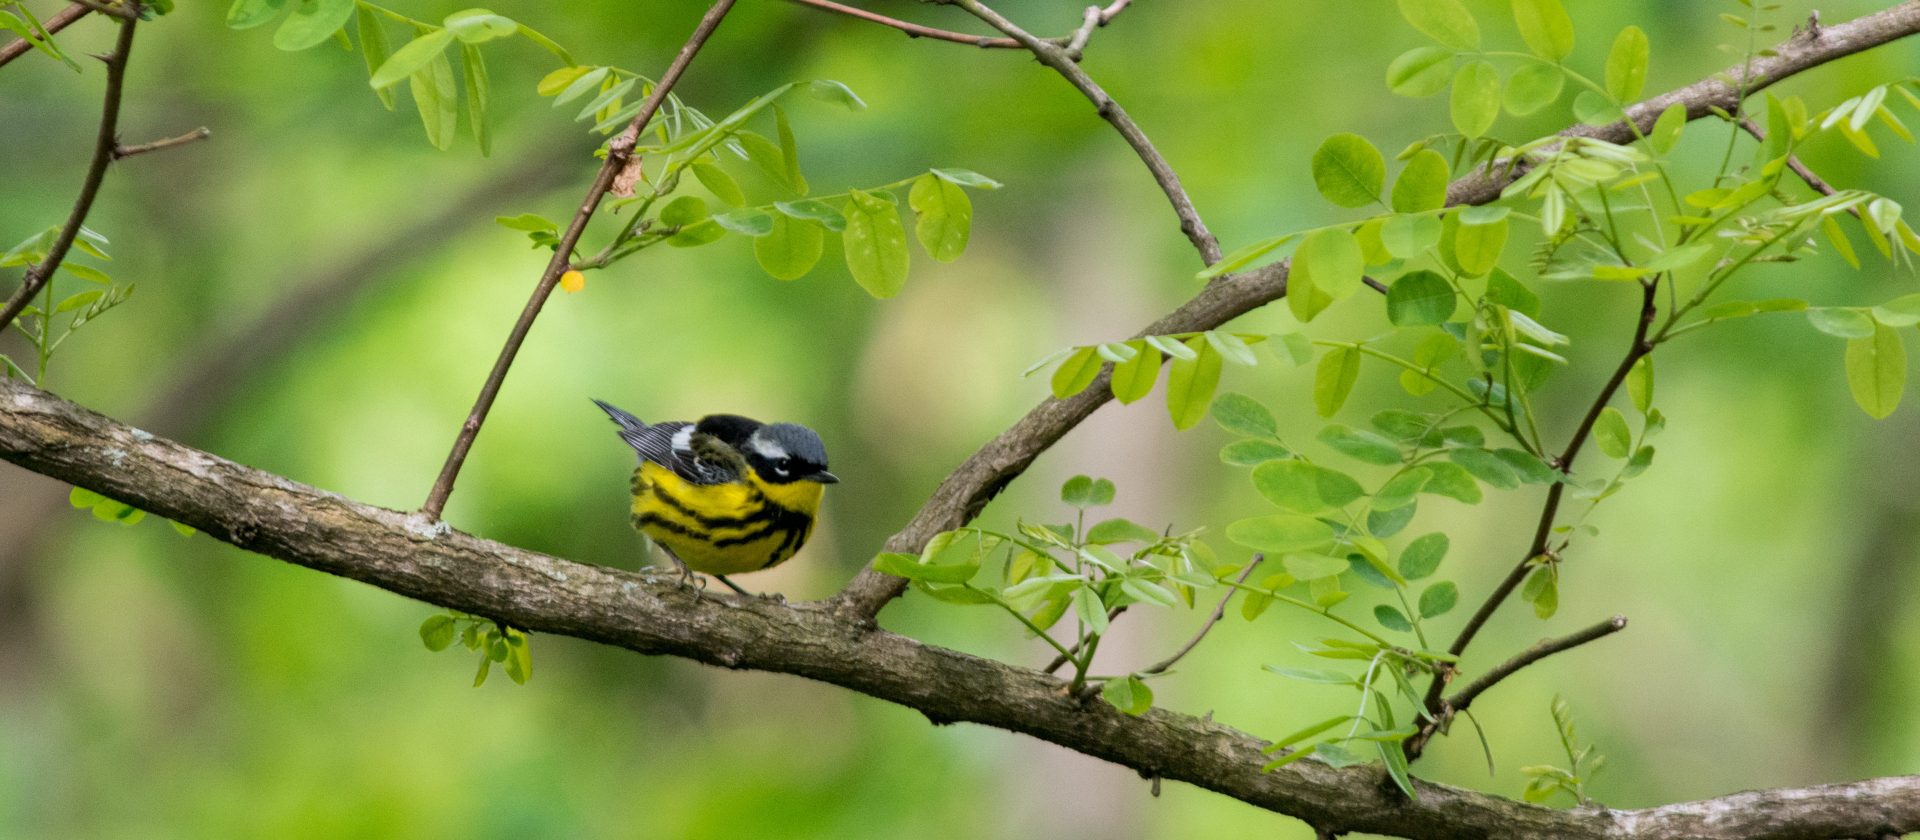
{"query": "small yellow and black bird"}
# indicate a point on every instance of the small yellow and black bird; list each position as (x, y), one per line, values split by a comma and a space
(727, 494)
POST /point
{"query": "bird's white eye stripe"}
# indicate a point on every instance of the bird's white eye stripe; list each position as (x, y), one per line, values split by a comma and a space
(767, 449)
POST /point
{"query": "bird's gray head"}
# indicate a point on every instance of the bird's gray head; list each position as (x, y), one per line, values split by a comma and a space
(782, 453)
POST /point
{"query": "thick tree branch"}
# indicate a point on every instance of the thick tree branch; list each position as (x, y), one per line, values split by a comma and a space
(619, 152)
(1065, 63)
(104, 142)
(967, 490)
(60, 20)
(419, 558)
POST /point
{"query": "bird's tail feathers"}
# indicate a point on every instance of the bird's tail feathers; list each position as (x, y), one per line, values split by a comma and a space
(626, 421)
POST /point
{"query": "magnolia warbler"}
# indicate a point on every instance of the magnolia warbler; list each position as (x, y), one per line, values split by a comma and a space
(727, 494)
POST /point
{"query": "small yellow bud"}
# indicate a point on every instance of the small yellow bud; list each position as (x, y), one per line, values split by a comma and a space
(573, 281)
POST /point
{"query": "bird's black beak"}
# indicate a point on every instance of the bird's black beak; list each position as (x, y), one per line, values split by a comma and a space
(825, 477)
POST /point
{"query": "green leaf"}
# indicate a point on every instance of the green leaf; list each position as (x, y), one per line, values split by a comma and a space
(474, 69)
(1231, 347)
(1361, 445)
(81, 497)
(790, 153)
(1902, 311)
(1477, 248)
(1422, 556)
(1400, 490)
(1666, 130)
(1281, 534)
(1445, 21)
(875, 244)
(375, 49)
(1504, 289)
(1420, 298)
(1841, 323)
(1326, 268)
(792, 248)
(1305, 488)
(1532, 87)
(718, 182)
(1485, 466)
(437, 632)
(417, 54)
(519, 659)
(1191, 383)
(1627, 65)
(1392, 618)
(1242, 257)
(1422, 185)
(312, 22)
(1134, 378)
(1333, 379)
(828, 90)
(1244, 415)
(1438, 599)
(1452, 481)
(1128, 694)
(911, 567)
(246, 14)
(478, 26)
(559, 80)
(1395, 760)
(683, 211)
(1093, 613)
(437, 97)
(1476, 98)
(1640, 382)
(1121, 530)
(967, 178)
(1349, 171)
(1611, 434)
(1545, 27)
(1313, 566)
(1421, 71)
(1408, 237)
(815, 211)
(945, 216)
(747, 222)
(1877, 371)
(1075, 373)
(1247, 453)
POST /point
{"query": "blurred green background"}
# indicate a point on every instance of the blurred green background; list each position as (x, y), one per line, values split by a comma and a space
(320, 294)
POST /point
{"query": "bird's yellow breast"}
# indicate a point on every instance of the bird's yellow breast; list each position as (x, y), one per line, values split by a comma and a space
(724, 529)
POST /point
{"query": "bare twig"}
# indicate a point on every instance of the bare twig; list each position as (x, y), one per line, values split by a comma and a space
(1093, 17)
(971, 485)
(103, 145)
(1541, 650)
(913, 30)
(1219, 610)
(201, 133)
(1055, 56)
(60, 20)
(1074, 650)
(125, 12)
(275, 516)
(1794, 163)
(619, 151)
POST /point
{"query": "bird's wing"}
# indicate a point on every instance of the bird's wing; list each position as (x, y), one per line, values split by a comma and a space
(696, 458)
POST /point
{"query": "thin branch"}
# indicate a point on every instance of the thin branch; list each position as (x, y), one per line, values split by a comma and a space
(1073, 651)
(913, 30)
(103, 145)
(1093, 17)
(1057, 57)
(619, 152)
(60, 20)
(1794, 163)
(967, 490)
(1219, 610)
(201, 133)
(408, 555)
(123, 12)
(1550, 509)
(1540, 650)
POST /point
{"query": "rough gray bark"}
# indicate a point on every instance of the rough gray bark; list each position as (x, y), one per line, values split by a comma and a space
(408, 555)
